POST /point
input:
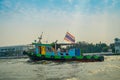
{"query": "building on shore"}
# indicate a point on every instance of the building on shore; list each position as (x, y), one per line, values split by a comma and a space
(117, 45)
(16, 51)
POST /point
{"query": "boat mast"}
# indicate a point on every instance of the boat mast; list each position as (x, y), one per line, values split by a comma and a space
(56, 44)
(40, 38)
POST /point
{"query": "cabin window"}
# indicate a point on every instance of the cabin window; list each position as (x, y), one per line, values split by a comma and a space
(48, 49)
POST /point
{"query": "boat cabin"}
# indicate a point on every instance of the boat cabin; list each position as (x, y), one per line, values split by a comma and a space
(56, 49)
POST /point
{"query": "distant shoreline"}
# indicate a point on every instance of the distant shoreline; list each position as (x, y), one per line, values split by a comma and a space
(14, 57)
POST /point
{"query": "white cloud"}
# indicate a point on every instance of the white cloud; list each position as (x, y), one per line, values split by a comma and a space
(70, 1)
(28, 22)
(7, 3)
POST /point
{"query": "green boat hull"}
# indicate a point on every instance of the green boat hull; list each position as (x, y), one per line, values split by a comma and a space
(87, 58)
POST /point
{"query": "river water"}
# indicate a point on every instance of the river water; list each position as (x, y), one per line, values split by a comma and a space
(22, 69)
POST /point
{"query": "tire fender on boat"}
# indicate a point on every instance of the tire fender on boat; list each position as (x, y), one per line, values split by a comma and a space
(73, 57)
(101, 58)
(52, 56)
(42, 56)
(62, 57)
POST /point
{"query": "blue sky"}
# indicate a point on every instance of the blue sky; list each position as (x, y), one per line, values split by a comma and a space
(22, 21)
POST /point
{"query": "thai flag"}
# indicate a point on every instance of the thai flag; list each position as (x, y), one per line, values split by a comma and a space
(69, 37)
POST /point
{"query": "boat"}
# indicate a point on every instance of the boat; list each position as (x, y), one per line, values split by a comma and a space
(59, 52)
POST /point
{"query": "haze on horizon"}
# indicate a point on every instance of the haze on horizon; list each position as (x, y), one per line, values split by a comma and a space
(22, 21)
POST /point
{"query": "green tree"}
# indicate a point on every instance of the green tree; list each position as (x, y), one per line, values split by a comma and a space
(112, 46)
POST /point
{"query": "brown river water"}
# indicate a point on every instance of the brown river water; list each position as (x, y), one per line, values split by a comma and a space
(22, 69)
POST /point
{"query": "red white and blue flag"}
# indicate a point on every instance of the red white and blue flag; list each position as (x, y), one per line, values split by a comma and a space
(69, 37)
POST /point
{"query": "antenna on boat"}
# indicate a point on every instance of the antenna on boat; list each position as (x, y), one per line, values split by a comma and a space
(56, 44)
(56, 41)
(40, 38)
